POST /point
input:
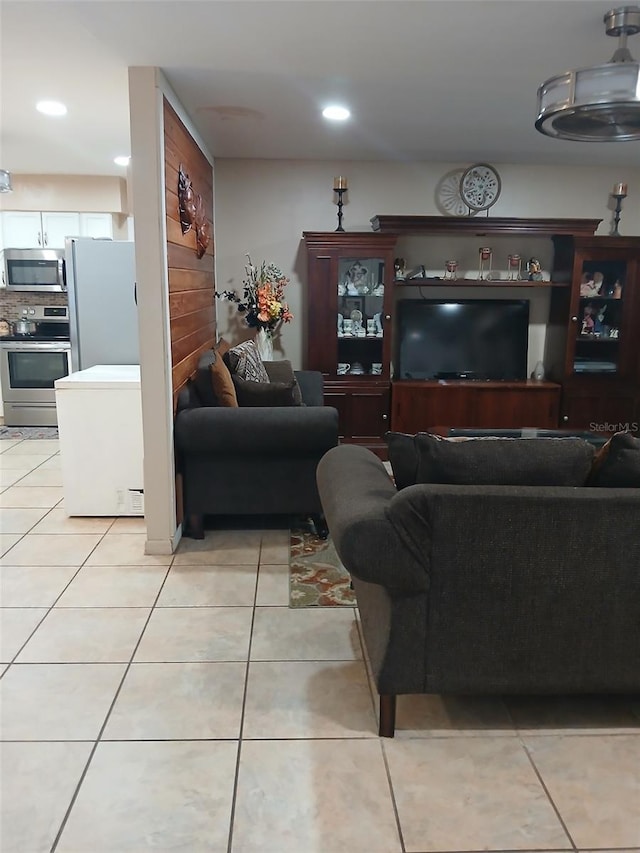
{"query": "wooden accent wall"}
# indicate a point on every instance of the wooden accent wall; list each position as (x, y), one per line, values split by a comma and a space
(191, 281)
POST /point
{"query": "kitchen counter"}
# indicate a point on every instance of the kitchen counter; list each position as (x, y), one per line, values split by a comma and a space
(103, 376)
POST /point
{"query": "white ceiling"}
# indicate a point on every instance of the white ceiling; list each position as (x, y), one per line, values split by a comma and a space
(435, 80)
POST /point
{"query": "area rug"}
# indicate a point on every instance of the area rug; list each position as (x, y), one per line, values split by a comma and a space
(28, 432)
(317, 578)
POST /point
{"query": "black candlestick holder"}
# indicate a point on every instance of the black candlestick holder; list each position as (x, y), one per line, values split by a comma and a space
(340, 192)
(616, 216)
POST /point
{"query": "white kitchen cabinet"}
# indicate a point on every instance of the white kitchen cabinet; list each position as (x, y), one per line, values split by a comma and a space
(21, 229)
(48, 229)
(101, 447)
(57, 226)
(99, 225)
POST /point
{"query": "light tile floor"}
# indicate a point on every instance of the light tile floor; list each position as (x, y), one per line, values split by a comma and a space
(154, 703)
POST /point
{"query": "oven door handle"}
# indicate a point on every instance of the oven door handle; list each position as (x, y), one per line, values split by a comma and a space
(62, 274)
(44, 346)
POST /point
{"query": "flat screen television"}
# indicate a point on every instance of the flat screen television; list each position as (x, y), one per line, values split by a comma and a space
(484, 339)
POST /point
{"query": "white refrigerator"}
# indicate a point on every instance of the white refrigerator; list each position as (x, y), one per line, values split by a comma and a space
(103, 314)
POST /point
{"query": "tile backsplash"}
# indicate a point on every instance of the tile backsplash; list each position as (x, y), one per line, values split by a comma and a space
(12, 302)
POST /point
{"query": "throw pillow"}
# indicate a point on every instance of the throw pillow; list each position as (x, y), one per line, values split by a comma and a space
(244, 360)
(222, 382)
(617, 463)
(403, 457)
(202, 379)
(282, 371)
(504, 461)
(263, 393)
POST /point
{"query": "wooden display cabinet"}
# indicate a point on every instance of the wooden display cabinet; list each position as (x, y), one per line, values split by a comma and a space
(593, 335)
(593, 374)
(349, 325)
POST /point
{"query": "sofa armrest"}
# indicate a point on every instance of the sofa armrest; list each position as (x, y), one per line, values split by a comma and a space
(355, 491)
(312, 386)
(250, 431)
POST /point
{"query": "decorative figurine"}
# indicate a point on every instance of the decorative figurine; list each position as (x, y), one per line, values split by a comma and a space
(588, 323)
(591, 284)
(357, 275)
(400, 265)
(534, 269)
(617, 290)
(451, 270)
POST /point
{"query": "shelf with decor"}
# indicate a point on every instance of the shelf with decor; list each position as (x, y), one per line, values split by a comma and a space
(474, 282)
(592, 340)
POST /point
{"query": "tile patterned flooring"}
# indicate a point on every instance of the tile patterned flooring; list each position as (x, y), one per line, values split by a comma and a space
(153, 703)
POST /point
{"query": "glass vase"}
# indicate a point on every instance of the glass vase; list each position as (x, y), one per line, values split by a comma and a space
(264, 343)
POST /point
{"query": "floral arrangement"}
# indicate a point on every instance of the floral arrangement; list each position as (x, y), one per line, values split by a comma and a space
(262, 302)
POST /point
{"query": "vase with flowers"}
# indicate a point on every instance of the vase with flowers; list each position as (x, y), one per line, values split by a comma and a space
(262, 303)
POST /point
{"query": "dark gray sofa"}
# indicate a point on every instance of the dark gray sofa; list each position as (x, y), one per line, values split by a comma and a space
(487, 589)
(251, 460)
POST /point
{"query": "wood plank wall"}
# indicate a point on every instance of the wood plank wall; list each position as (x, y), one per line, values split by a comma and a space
(191, 281)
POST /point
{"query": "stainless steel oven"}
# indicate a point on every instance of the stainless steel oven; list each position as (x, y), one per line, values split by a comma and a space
(34, 270)
(29, 366)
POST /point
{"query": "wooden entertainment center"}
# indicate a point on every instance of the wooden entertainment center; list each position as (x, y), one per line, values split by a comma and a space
(587, 340)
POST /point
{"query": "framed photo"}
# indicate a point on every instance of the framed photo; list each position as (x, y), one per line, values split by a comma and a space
(352, 303)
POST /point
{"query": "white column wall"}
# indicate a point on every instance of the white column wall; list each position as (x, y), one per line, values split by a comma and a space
(147, 87)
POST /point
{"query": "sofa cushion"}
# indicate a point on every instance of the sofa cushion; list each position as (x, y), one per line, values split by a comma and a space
(492, 461)
(202, 379)
(282, 371)
(403, 455)
(222, 383)
(617, 463)
(250, 393)
(244, 360)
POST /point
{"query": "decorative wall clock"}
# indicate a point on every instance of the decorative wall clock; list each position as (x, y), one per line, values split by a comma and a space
(480, 186)
(448, 199)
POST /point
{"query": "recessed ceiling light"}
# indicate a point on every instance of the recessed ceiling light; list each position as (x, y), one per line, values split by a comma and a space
(336, 113)
(121, 161)
(51, 108)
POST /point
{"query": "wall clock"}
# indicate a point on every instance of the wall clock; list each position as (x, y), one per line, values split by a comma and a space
(448, 198)
(480, 186)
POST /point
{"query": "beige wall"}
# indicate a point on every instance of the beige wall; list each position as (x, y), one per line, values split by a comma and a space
(263, 206)
(86, 194)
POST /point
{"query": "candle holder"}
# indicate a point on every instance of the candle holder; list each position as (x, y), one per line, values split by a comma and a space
(619, 192)
(340, 188)
(514, 266)
(485, 254)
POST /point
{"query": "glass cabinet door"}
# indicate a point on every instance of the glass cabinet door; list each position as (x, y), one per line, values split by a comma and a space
(600, 317)
(360, 322)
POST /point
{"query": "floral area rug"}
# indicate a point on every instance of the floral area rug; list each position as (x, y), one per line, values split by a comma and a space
(28, 432)
(317, 578)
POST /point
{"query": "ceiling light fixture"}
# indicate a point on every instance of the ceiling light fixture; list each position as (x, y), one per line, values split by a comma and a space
(336, 113)
(51, 108)
(5, 181)
(601, 103)
(121, 161)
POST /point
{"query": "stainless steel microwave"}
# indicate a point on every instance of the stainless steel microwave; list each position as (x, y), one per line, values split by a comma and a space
(34, 270)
